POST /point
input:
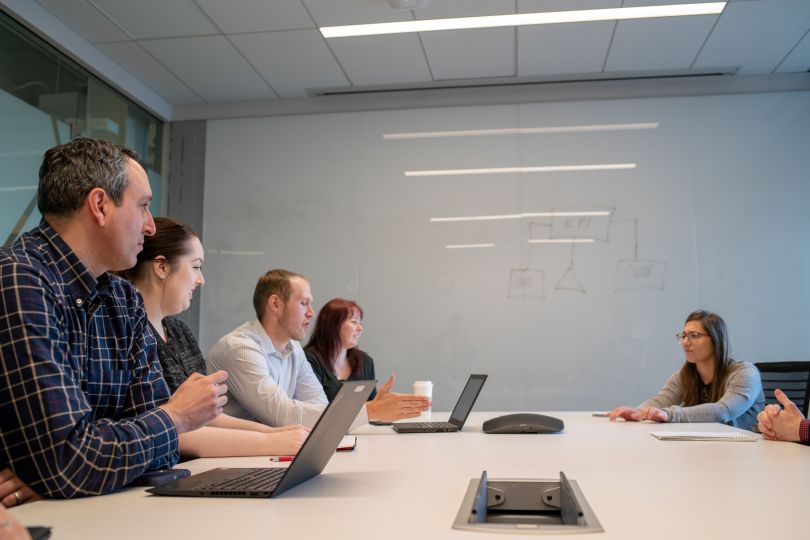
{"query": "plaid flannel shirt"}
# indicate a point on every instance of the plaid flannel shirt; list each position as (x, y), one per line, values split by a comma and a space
(80, 382)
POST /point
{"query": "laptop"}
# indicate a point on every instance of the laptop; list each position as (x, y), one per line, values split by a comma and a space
(313, 456)
(460, 412)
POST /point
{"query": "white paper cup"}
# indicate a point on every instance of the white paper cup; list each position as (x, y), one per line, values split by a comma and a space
(424, 388)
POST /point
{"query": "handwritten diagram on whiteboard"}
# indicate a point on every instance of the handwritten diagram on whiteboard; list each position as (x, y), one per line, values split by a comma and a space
(569, 280)
(631, 273)
(527, 283)
(580, 227)
(638, 273)
(595, 227)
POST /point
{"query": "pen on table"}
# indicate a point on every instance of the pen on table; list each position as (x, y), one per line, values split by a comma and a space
(281, 458)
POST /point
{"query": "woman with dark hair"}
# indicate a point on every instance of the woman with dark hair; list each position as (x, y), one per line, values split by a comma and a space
(168, 271)
(332, 350)
(709, 387)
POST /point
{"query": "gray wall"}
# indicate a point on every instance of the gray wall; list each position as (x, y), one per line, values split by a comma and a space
(714, 216)
(184, 188)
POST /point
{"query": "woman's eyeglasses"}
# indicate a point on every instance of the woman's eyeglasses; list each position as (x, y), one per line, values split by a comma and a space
(681, 336)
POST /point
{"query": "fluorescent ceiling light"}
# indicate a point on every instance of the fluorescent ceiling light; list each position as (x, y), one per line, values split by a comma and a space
(519, 131)
(519, 216)
(521, 19)
(466, 246)
(561, 240)
(504, 170)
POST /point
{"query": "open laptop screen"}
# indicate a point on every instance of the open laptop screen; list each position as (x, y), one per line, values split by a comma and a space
(467, 399)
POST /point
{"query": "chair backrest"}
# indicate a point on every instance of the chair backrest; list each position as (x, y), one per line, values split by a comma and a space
(793, 378)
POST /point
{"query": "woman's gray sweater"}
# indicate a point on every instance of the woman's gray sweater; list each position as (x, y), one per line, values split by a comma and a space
(737, 407)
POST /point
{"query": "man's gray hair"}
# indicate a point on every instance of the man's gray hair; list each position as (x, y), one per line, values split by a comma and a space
(70, 171)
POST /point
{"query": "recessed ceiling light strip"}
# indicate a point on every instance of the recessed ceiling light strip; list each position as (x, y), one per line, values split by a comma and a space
(519, 131)
(522, 19)
(519, 216)
(506, 170)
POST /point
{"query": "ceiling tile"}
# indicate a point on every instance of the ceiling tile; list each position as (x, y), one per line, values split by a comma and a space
(272, 49)
(139, 63)
(466, 54)
(755, 35)
(239, 16)
(544, 6)
(210, 66)
(658, 44)
(558, 49)
(382, 60)
(445, 9)
(145, 19)
(799, 58)
(291, 61)
(339, 12)
(85, 19)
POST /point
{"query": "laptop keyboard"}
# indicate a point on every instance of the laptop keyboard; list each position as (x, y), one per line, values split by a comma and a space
(431, 425)
(253, 479)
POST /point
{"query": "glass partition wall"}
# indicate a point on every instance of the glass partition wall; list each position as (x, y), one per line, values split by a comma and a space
(47, 99)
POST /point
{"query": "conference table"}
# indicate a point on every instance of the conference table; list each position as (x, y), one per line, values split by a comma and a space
(410, 486)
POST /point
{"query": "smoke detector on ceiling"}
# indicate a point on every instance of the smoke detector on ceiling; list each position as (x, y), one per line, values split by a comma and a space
(409, 4)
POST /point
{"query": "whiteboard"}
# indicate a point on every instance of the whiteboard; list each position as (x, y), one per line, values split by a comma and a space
(712, 215)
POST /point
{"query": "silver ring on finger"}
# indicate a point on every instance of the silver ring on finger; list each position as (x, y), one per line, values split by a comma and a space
(17, 496)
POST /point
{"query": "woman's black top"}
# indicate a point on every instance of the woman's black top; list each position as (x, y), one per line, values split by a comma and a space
(179, 356)
(330, 382)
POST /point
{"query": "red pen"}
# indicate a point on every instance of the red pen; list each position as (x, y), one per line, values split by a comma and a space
(281, 458)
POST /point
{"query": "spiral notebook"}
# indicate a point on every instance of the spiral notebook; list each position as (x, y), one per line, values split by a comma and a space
(734, 436)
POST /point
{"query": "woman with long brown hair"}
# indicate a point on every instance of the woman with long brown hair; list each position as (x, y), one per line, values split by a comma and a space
(709, 387)
(168, 271)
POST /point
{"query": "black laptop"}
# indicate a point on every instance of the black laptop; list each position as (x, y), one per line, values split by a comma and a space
(460, 412)
(272, 481)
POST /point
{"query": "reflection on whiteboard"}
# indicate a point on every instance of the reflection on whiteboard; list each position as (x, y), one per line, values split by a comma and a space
(577, 229)
(640, 274)
(527, 283)
(631, 274)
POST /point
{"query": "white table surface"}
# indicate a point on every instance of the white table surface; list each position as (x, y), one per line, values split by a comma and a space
(410, 486)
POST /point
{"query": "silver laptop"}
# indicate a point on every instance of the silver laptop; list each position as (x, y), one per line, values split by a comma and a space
(457, 418)
(272, 481)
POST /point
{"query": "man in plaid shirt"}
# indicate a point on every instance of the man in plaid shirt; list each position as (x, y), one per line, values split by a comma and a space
(84, 408)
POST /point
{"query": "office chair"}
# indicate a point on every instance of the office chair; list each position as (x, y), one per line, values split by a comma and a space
(793, 378)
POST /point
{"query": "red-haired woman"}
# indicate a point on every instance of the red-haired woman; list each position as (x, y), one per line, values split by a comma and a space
(332, 350)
